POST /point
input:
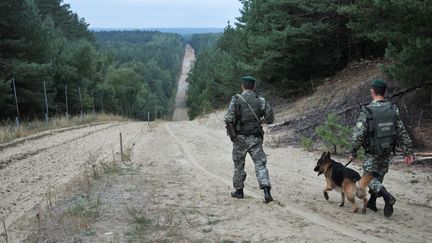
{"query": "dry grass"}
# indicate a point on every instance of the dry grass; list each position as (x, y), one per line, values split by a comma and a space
(84, 205)
(9, 132)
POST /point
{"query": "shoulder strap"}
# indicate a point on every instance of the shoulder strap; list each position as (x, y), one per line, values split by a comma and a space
(253, 112)
(369, 111)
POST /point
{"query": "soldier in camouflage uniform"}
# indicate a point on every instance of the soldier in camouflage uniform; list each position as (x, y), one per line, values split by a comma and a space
(377, 128)
(245, 114)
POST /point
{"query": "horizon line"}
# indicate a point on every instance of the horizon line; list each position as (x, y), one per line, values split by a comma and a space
(156, 27)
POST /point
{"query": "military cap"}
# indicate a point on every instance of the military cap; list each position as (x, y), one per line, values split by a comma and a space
(379, 83)
(248, 79)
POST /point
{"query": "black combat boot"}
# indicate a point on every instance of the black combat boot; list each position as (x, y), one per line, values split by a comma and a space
(389, 202)
(267, 196)
(238, 193)
(371, 204)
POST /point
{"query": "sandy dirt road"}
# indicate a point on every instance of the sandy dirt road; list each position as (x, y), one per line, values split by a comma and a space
(180, 112)
(300, 212)
(189, 164)
(191, 168)
(185, 168)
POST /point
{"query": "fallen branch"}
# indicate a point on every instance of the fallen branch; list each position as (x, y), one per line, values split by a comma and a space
(402, 92)
(424, 154)
(284, 123)
(418, 160)
(422, 159)
(345, 110)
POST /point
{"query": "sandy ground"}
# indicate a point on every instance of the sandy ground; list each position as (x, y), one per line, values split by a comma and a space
(180, 112)
(186, 167)
(182, 179)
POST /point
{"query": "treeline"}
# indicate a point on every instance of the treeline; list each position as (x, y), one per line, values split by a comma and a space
(289, 45)
(43, 40)
(200, 42)
(145, 69)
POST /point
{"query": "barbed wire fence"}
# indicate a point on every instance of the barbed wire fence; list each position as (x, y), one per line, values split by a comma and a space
(97, 107)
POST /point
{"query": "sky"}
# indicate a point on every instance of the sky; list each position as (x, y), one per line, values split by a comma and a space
(156, 13)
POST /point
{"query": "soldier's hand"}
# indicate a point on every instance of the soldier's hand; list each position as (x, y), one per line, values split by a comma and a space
(408, 160)
(351, 157)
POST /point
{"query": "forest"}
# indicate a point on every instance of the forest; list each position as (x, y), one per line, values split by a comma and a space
(45, 42)
(291, 45)
(144, 75)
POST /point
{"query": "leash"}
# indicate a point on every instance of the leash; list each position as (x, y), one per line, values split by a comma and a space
(349, 162)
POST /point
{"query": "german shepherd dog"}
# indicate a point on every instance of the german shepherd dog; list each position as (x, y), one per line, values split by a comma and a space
(345, 180)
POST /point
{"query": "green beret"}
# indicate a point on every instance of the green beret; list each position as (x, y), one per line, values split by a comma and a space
(248, 79)
(379, 83)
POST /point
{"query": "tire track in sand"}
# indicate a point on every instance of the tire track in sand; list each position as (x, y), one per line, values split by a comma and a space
(311, 217)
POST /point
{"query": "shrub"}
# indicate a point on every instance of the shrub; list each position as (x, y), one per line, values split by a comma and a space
(307, 143)
(333, 133)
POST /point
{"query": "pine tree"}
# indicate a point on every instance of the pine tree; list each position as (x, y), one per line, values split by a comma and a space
(405, 26)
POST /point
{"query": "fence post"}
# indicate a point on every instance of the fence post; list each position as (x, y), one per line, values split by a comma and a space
(17, 120)
(67, 105)
(94, 110)
(121, 147)
(148, 121)
(81, 104)
(46, 102)
(102, 103)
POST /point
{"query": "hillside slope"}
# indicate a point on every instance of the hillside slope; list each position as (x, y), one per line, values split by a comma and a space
(342, 95)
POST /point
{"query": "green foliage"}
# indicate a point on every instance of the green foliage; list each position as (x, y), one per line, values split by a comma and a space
(284, 44)
(211, 82)
(334, 134)
(405, 26)
(85, 207)
(145, 70)
(200, 42)
(307, 143)
(141, 223)
(43, 40)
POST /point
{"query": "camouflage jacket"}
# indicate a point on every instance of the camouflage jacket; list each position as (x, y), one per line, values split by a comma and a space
(230, 116)
(360, 133)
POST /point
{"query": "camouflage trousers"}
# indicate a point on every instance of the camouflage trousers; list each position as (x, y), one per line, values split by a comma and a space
(253, 145)
(378, 165)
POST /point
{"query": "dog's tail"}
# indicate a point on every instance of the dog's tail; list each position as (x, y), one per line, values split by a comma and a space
(362, 184)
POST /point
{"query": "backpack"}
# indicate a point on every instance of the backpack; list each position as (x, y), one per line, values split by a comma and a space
(249, 108)
(382, 129)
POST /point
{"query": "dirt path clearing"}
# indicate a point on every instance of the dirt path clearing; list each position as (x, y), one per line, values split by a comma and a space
(180, 112)
(184, 173)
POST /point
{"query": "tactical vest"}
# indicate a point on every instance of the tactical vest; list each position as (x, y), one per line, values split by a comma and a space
(247, 123)
(382, 129)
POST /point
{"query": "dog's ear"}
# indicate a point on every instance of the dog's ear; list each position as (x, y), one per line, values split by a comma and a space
(324, 154)
(328, 156)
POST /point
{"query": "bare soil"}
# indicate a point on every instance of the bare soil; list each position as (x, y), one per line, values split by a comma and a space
(182, 179)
